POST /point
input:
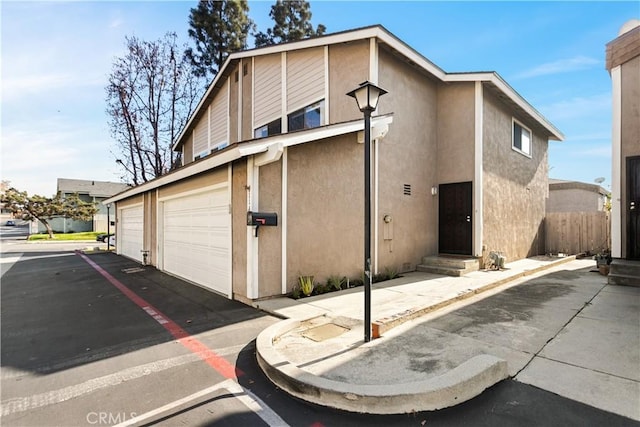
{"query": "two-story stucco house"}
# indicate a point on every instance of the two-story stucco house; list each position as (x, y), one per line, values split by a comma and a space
(623, 63)
(459, 166)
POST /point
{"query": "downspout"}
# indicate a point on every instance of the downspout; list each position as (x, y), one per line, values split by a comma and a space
(478, 172)
(616, 135)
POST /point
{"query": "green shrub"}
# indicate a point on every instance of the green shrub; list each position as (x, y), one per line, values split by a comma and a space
(306, 284)
(296, 293)
(391, 273)
(336, 283)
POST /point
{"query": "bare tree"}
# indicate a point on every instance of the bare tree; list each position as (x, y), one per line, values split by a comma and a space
(151, 93)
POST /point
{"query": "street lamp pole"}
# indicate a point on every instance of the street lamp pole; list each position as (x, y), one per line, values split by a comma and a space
(367, 225)
(367, 96)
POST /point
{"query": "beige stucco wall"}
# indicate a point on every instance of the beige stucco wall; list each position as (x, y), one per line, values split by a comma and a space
(239, 227)
(515, 186)
(407, 155)
(348, 67)
(630, 133)
(270, 238)
(456, 132)
(325, 202)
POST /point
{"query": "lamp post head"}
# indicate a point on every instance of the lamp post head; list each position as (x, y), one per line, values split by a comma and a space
(367, 96)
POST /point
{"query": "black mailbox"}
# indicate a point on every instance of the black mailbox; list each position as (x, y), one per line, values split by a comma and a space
(262, 218)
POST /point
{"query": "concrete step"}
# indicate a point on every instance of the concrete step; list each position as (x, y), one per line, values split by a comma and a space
(624, 272)
(449, 265)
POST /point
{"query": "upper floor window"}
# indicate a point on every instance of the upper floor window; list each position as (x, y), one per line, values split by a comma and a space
(521, 140)
(307, 117)
(273, 128)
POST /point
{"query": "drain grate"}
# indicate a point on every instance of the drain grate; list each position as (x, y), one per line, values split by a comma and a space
(324, 332)
(132, 270)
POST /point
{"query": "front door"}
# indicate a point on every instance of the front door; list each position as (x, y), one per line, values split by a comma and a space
(633, 207)
(455, 214)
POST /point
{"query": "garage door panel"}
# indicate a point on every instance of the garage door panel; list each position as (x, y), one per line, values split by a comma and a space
(196, 238)
(130, 239)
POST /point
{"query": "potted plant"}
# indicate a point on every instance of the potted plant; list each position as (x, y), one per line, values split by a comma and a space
(603, 260)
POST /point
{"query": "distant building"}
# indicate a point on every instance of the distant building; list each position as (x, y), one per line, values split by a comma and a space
(88, 191)
(574, 196)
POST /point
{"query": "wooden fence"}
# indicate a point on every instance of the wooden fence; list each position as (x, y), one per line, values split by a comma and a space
(577, 232)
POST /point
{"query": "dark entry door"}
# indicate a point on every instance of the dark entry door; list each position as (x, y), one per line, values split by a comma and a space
(633, 207)
(455, 218)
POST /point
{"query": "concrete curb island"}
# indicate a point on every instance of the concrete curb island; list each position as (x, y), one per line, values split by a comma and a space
(455, 386)
(303, 367)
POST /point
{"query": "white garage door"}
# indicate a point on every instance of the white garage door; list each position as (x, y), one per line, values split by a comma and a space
(197, 238)
(129, 238)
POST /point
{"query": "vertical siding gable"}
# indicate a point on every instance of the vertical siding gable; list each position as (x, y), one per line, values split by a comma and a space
(200, 136)
(267, 89)
(219, 114)
(305, 78)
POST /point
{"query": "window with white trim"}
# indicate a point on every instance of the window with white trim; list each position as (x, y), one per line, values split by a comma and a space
(273, 128)
(521, 138)
(307, 117)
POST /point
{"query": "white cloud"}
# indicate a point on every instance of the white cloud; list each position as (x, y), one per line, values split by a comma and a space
(596, 106)
(565, 65)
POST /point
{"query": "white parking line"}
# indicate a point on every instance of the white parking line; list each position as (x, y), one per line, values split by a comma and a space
(249, 399)
(21, 404)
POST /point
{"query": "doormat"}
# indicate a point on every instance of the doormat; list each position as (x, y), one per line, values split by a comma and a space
(324, 332)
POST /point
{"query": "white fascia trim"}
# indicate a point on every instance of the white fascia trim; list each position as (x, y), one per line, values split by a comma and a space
(284, 124)
(616, 166)
(373, 61)
(326, 86)
(203, 165)
(504, 87)
(478, 172)
(209, 128)
(240, 103)
(379, 126)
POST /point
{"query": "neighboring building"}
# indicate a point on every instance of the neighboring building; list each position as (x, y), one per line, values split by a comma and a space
(574, 196)
(623, 63)
(88, 191)
(459, 167)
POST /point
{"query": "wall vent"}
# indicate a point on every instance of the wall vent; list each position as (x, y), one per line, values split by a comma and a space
(407, 189)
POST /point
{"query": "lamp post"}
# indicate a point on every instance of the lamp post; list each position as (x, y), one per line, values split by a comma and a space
(108, 228)
(367, 96)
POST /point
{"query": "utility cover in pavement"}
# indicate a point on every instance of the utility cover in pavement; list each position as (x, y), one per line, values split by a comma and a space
(324, 332)
(132, 270)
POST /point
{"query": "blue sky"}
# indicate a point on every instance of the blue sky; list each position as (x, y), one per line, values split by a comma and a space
(56, 57)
